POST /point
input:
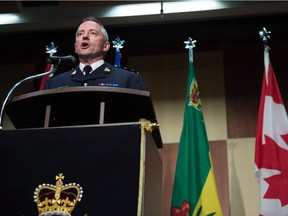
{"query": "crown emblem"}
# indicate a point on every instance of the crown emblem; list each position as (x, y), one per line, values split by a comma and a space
(57, 199)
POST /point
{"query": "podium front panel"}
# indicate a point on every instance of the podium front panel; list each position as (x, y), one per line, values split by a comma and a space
(103, 160)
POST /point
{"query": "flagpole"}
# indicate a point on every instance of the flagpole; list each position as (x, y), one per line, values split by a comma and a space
(118, 44)
(190, 44)
(50, 49)
(264, 34)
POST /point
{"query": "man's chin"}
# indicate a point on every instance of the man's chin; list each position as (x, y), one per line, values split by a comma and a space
(85, 55)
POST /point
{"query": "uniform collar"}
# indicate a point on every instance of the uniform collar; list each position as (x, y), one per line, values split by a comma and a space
(100, 72)
(94, 65)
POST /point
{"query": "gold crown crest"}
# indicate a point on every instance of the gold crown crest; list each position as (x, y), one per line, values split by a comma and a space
(57, 199)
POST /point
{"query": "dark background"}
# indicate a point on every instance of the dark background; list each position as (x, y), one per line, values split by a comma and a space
(237, 37)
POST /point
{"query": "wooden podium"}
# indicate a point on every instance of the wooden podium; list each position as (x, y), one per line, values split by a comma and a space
(93, 136)
(76, 106)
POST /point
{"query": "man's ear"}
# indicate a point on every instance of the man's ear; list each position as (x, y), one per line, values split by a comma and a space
(106, 46)
(75, 47)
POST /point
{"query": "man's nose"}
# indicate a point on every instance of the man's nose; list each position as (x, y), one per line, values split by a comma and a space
(85, 37)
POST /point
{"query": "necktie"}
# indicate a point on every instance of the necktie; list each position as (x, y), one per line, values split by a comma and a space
(87, 69)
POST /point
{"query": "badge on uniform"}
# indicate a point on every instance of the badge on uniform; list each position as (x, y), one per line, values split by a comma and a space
(73, 72)
(106, 70)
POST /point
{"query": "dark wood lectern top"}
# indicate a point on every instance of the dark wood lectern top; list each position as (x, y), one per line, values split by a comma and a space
(74, 106)
(82, 89)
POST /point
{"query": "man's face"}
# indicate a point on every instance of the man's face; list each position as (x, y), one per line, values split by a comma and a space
(89, 42)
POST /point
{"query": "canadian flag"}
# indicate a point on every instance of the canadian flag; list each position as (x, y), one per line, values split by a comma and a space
(271, 149)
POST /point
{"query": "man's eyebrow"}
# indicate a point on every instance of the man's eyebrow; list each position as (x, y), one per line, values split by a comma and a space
(90, 30)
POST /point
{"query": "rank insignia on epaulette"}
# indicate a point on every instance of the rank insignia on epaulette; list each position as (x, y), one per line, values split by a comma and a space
(130, 70)
(106, 70)
(73, 72)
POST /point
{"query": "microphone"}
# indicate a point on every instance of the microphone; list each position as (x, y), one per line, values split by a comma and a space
(58, 59)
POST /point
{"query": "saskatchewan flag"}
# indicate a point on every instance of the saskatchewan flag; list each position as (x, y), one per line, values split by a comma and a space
(195, 191)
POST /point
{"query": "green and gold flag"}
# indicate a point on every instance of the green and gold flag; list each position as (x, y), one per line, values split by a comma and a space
(195, 192)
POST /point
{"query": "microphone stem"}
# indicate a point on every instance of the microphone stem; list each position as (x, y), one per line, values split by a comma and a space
(30, 78)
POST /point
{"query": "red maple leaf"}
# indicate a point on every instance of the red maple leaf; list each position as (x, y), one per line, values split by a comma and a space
(278, 188)
(275, 157)
(182, 211)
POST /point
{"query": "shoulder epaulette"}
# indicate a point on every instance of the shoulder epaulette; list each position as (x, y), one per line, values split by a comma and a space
(130, 70)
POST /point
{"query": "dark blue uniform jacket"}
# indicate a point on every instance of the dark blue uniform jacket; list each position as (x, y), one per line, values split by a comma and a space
(106, 75)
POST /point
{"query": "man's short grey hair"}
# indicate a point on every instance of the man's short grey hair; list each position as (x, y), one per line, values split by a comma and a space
(103, 30)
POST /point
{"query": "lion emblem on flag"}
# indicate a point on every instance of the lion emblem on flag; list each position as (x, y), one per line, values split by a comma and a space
(195, 100)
